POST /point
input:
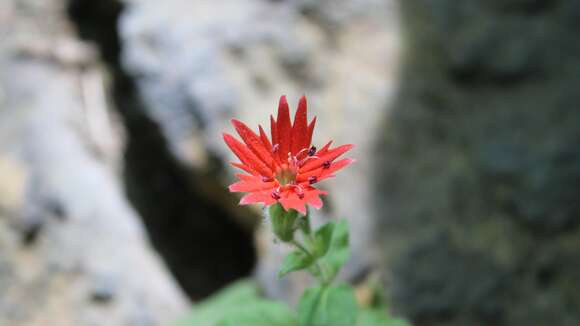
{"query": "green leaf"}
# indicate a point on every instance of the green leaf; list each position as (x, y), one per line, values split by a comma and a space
(259, 313)
(328, 306)
(338, 250)
(295, 261)
(322, 239)
(239, 304)
(378, 317)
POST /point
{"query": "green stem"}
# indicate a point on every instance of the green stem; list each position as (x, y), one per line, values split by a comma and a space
(320, 270)
(301, 247)
(305, 223)
(307, 231)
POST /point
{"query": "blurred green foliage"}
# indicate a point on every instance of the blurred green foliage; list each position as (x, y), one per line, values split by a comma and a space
(241, 304)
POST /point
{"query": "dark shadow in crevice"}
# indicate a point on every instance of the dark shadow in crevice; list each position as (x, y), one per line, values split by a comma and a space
(189, 225)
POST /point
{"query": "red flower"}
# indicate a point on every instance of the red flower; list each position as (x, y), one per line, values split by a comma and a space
(285, 169)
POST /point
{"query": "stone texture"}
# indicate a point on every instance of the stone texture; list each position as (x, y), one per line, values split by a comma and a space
(479, 165)
(72, 251)
(87, 109)
(198, 64)
(191, 218)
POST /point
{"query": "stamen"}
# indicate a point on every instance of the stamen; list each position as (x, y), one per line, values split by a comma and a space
(267, 179)
(312, 151)
(275, 194)
(275, 148)
(301, 163)
(299, 190)
(326, 164)
(312, 180)
(302, 151)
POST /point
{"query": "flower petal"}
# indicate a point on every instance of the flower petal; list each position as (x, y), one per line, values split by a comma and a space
(245, 168)
(246, 156)
(273, 130)
(245, 177)
(328, 173)
(329, 156)
(257, 197)
(313, 199)
(284, 129)
(324, 149)
(291, 200)
(299, 129)
(268, 146)
(245, 186)
(253, 141)
(265, 139)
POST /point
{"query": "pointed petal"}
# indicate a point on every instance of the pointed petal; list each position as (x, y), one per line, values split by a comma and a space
(284, 128)
(253, 141)
(338, 165)
(246, 156)
(245, 177)
(313, 199)
(329, 156)
(249, 186)
(324, 149)
(268, 146)
(292, 201)
(257, 197)
(245, 168)
(299, 136)
(265, 139)
(273, 130)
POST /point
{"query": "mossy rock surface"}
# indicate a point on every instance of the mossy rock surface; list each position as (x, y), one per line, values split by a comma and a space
(478, 176)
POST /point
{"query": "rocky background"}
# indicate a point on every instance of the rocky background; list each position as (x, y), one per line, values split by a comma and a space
(479, 165)
(464, 197)
(113, 208)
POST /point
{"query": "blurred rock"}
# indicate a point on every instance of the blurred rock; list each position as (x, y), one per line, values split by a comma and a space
(59, 164)
(478, 180)
(191, 218)
(198, 64)
(12, 187)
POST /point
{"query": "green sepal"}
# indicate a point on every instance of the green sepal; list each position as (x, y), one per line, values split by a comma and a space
(283, 222)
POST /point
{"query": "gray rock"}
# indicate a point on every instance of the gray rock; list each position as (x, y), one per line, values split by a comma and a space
(56, 128)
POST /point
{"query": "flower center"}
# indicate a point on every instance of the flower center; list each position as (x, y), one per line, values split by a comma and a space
(285, 175)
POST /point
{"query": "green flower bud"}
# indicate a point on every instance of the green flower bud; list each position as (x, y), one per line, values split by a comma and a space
(283, 222)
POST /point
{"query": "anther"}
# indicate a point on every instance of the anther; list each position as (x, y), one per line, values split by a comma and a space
(275, 148)
(300, 195)
(266, 179)
(326, 164)
(312, 179)
(275, 194)
(312, 151)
